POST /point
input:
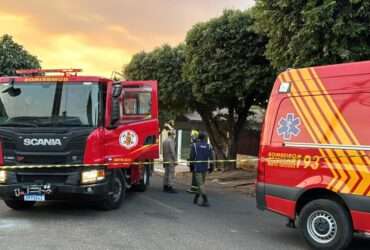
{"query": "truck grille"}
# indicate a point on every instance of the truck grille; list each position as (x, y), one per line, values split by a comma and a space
(70, 152)
(51, 176)
(42, 179)
(41, 159)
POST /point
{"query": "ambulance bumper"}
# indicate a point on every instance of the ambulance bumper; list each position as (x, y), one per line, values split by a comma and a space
(260, 196)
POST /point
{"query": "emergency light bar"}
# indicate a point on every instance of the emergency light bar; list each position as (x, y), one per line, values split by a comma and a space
(44, 71)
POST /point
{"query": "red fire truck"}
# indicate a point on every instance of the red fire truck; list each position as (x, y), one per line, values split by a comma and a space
(65, 136)
(314, 165)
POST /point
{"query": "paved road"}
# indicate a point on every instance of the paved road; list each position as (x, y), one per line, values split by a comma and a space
(151, 220)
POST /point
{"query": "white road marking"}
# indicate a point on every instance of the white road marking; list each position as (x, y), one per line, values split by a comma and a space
(159, 203)
(6, 224)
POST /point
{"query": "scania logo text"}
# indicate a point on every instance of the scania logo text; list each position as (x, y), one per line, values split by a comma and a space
(42, 142)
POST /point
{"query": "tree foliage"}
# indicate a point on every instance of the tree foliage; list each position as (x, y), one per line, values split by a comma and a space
(313, 32)
(229, 73)
(165, 65)
(13, 56)
(220, 72)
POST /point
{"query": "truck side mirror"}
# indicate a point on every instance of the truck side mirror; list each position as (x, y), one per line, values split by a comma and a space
(12, 91)
(115, 115)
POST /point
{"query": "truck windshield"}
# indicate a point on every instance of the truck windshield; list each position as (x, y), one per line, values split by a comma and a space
(49, 104)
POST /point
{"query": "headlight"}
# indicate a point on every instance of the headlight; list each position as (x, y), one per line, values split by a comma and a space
(2, 176)
(92, 176)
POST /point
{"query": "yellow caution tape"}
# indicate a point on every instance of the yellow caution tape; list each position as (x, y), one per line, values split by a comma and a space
(11, 167)
(141, 163)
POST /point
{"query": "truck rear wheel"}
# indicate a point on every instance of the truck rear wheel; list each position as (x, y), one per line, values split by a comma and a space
(19, 204)
(325, 224)
(117, 193)
(144, 180)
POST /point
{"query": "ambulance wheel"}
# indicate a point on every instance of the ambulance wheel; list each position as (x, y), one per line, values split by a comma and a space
(144, 180)
(325, 224)
(117, 193)
(19, 204)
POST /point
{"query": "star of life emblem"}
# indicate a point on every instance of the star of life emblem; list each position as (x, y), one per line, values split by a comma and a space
(289, 126)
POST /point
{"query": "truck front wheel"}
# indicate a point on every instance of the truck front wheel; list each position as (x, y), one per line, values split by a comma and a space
(19, 204)
(325, 224)
(117, 194)
(144, 180)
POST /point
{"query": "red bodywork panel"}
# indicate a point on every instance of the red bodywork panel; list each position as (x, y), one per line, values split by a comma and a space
(281, 206)
(361, 221)
(316, 136)
(105, 145)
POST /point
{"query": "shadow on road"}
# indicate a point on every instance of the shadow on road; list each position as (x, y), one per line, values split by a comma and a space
(59, 210)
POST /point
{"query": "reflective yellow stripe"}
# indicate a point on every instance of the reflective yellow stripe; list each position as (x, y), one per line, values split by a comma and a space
(335, 130)
(315, 103)
(360, 163)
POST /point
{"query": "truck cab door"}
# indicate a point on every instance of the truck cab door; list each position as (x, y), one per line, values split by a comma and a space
(134, 136)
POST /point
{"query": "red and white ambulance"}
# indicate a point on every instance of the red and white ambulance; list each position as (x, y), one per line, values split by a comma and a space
(314, 165)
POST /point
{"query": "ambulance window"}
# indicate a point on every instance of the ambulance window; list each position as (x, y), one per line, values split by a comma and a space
(136, 104)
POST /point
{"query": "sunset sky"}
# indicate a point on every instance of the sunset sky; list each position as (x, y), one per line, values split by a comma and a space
(101, 35)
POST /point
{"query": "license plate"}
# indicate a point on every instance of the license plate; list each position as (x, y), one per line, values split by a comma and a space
(34, 197)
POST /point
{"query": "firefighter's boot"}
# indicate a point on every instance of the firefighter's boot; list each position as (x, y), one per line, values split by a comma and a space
(171, 190)
(205, 202)
(196, 198)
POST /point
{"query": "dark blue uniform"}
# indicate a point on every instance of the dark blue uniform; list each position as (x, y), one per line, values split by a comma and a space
(201, 151)
(194, 186)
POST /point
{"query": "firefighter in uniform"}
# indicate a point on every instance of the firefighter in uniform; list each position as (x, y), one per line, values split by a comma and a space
(194, 139)
(201, 151)
(169, 157)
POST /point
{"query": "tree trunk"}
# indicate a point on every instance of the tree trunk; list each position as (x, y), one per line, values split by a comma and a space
(224, 135)
(232, 148)
(217, 137)
(236, 127)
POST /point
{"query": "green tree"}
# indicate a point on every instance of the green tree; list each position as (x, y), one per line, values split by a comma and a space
(13, 56)
(313, 32)
(165, 65)
(229, 73)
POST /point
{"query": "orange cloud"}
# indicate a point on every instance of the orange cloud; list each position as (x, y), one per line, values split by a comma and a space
(101, 36)
(65, 50)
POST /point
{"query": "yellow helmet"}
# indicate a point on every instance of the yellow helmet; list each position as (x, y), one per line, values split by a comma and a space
(194, 133)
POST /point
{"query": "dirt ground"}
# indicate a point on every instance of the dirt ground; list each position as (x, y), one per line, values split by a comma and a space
(239, 180)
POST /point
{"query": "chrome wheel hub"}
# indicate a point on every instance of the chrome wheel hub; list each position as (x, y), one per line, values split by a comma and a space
(145, 176)
(117, 189)
(322, 226)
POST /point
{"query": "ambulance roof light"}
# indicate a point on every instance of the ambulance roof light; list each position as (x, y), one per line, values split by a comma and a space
(284, 87)
(45, 71)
